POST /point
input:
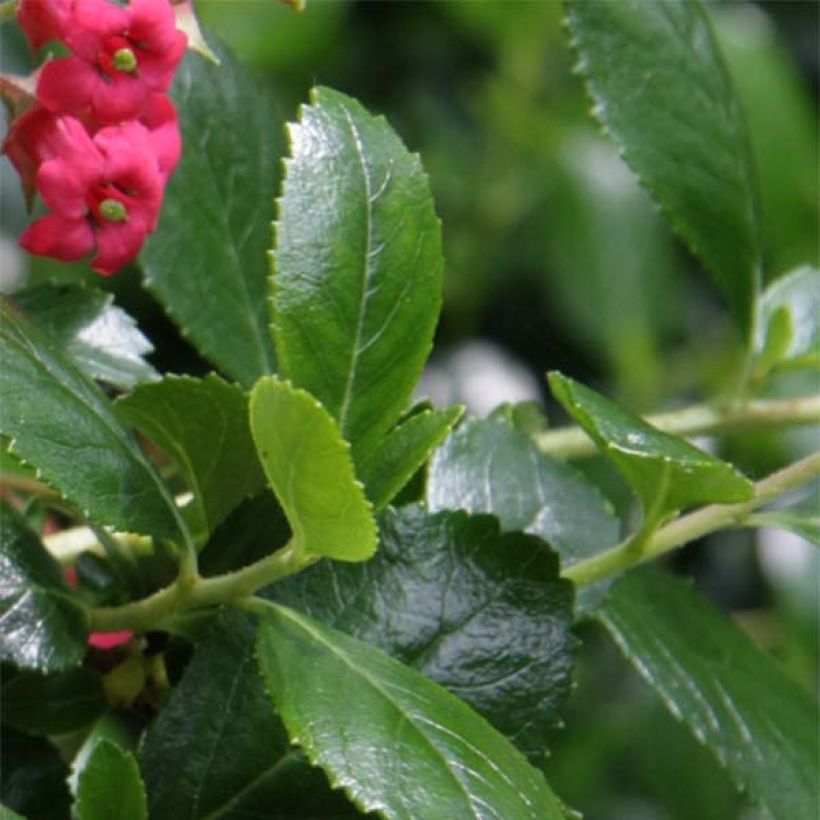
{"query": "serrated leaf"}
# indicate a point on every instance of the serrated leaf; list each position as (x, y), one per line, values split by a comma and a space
(482, 613)
(33, 776)
(403, 451)
(738, 702)
(203, 425)
(790, 311)
(218, 750)
(42, 624)
(207, 260)
(487, 466)
(309, 467)
(357, 266)
(666, 472)
(53, 704)
(100, 337)
(110, 786)
(401, 745)
(660, 88)
(63, 424)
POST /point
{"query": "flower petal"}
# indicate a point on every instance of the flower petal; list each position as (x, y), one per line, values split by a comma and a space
(53, 235)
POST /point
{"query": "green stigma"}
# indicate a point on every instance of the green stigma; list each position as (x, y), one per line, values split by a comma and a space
(124, 60)
(113, 210)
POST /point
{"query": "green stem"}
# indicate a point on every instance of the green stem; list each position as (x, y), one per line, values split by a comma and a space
(694, 525)
(699, 419)
(203, 592)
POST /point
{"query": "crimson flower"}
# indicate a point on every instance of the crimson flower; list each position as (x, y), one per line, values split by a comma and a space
(104, 191)
(43, 20)
(122, 56)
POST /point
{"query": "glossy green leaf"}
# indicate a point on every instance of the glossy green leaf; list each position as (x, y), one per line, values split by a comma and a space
(42, 625)
(789, 320)
(63, 424)
(666, 472)
(403, 451)
(218, 750)
(53, 704)
(101, 338)
(487, 466)
(203, 425)
(33, 776)
(309, 467)
(661, 90)
(393, 739)
(357, 266)
(782, 116)
(737, 700)
(207, 260)
(110, 786)
(482, 613)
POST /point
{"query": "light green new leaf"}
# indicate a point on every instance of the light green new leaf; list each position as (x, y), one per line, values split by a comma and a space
(42, 625)
(100, 337)
(357, 266)
(110, 786)
(802, 519)
(788, 329)
(666, 472)
(309, 467)
(660, 88)
(403, 451)
(61, 423)
(736, 700)
(203, 425)
(207, 260)
(395, 741)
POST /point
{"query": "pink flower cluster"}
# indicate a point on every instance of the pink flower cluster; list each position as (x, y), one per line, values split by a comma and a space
(101, 138)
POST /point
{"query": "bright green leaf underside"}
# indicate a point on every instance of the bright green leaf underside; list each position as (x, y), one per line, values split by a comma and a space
(395, 741)
(660, 88)
(309, 467)
(734, 698)
(357, 266)
(665, 471)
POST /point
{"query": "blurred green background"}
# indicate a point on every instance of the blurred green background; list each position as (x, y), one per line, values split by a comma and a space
(556, 258)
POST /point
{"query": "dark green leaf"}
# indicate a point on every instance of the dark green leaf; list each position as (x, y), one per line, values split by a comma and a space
(207, 260)
(101, 338)
(782, 115)
(735, 699)
(110, 786)
(42, 625)
(666, 472)
(218, 750)
(487, 466)
(357, 266)
(61, 423)
(309, 468)
(394, 740)
(482, 613)
(53, 704)
(789, 320)
(255, 529)
(403, 451)
(662, 91)
(203, 425)
(33, 777)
